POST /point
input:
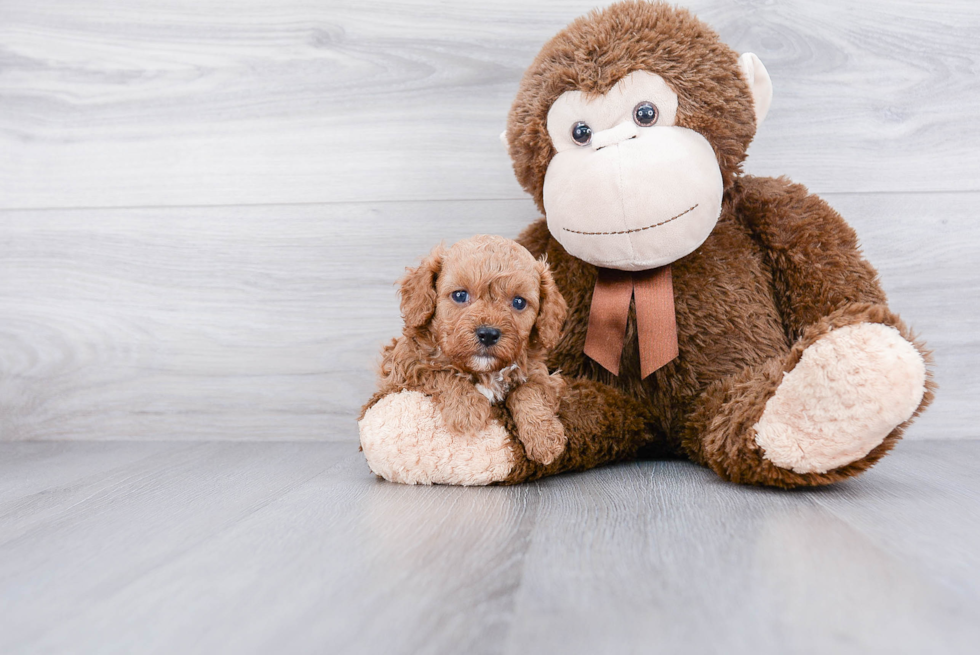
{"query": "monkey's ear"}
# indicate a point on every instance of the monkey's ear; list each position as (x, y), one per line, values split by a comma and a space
(418, 289)
(759, 84)
(551, 311)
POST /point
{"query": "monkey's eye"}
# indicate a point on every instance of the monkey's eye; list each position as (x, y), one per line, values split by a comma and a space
(460, 296)
(518, 303)
(581, 133)
(645, 114)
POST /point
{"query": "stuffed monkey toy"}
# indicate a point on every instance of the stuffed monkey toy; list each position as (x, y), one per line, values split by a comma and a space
(712, 315)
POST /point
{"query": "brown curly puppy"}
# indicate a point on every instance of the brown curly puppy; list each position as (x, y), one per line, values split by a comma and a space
(480, 318)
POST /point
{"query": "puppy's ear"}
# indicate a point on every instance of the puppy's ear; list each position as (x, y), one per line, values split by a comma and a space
(418, 289)
(551, 312)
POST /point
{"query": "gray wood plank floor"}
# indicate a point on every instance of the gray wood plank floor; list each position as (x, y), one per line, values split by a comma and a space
(290, 547)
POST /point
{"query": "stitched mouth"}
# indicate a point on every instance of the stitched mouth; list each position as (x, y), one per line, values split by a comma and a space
(639, 229)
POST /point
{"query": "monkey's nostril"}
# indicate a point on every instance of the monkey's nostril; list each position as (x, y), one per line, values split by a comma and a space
(487, 335)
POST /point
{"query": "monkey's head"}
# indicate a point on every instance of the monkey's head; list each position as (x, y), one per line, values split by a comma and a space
(628, 128)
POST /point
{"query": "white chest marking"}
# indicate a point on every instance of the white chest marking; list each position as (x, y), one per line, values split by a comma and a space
(497, 385)
(492, 394)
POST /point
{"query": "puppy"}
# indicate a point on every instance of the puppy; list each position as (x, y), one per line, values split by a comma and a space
(479, 319)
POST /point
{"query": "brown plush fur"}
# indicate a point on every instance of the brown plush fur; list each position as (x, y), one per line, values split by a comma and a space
(440, 354)
(741, 325)
(780, 269)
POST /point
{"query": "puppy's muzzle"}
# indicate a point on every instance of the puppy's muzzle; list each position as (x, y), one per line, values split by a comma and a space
(487, 335)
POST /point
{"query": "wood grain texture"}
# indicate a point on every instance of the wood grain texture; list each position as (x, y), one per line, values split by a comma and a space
(227, 323)
(265, 322)
(209, 102)
(122, 511)
(261, 548)
(702, 566)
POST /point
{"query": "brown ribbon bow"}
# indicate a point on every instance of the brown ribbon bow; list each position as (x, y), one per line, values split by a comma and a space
(656, 325)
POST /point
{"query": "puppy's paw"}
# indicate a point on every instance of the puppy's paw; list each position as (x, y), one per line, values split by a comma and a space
(463, 418)
(544, 440)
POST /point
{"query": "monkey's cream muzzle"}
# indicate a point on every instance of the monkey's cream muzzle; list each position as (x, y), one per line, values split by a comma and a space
(640, 194)
(634, 198)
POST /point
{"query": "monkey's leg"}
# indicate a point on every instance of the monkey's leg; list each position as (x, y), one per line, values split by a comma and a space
(826, 411)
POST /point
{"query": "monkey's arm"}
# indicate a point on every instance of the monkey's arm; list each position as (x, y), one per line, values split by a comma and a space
(819, 275)
(601, 425)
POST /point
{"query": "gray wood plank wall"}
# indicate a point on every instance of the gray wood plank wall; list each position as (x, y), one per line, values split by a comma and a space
(204, 204)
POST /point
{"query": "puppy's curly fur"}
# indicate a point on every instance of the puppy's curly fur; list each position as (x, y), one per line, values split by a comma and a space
(441, 354)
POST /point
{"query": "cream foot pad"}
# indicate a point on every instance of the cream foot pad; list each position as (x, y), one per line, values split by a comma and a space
(849, 390)
(405, 440)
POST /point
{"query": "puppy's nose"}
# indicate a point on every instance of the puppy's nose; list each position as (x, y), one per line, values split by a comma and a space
(487, 335)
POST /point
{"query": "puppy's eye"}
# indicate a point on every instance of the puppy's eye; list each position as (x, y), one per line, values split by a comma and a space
(581, 133)
(519, 303)
(645, 114)
(460, 296)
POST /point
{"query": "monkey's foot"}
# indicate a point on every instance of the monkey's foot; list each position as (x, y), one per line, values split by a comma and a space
(850, 389)
(405, 440)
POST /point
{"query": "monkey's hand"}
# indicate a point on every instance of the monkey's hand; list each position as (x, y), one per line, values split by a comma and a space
(405, 440)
